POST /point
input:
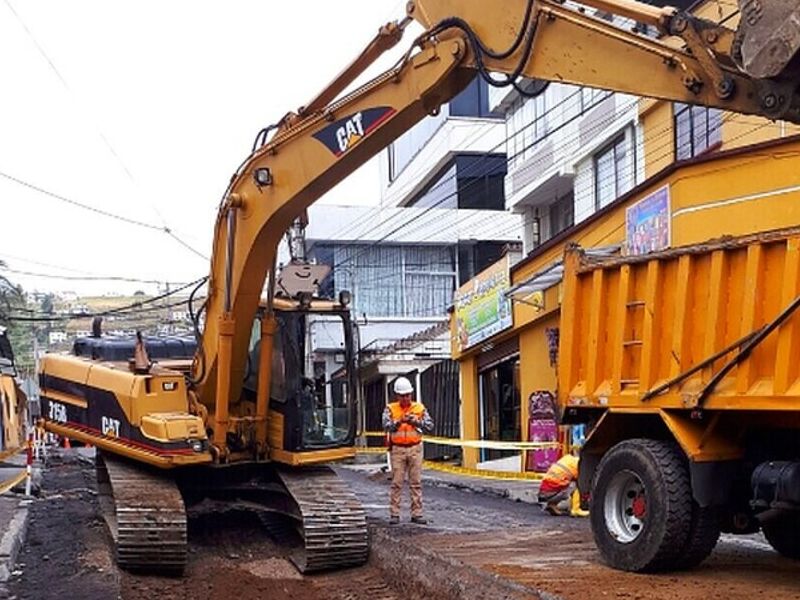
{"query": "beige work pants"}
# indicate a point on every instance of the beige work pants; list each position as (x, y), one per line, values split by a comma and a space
(406, 460)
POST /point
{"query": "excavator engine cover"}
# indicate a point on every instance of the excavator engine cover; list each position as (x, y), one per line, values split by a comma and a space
(768, 37)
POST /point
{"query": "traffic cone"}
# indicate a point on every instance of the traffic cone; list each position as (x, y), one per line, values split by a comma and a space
(66, 443)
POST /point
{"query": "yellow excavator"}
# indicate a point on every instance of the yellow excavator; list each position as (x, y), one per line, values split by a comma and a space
(172, 434)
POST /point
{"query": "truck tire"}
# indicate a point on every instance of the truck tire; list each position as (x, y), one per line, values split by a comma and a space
(783, 534)
(641, 506)
(703, 536)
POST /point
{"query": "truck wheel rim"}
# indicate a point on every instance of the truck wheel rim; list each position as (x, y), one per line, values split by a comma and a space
(625, 507)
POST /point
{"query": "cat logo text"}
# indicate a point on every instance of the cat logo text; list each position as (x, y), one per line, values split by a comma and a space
(346, 133)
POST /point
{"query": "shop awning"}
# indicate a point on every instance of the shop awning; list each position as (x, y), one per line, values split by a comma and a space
(552, 275)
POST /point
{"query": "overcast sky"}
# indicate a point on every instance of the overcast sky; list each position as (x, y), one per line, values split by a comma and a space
(144, 109)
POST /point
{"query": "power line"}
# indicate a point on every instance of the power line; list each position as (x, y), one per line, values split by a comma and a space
(86, 277)
(122, 309)
(105, 213)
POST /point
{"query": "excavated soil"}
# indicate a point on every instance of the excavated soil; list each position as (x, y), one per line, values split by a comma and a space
(565, 563)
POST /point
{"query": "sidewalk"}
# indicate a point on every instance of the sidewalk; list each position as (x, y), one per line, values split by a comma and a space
(13, 519)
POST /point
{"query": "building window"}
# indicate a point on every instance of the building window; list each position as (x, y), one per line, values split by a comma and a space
(562, 214)
(473, 101)
(390, 280)
(470, 182)
(697, 128)
(609, 173)
(591, 97)
(528, 124)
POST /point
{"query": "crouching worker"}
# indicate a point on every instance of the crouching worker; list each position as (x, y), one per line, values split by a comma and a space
(560, 487)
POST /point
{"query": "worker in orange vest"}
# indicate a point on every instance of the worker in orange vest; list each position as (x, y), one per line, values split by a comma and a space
(560, 484)
(404, 422)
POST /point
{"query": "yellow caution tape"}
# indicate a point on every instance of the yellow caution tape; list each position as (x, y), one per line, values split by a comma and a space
(457, 470)
(7, 453)
(482, 473)
(371, 450)
(10, 483)
(486, 444)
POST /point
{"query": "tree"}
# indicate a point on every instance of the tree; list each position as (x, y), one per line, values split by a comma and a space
(10, 296)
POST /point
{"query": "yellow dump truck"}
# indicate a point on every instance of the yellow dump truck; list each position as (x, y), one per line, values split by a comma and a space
(684, 363)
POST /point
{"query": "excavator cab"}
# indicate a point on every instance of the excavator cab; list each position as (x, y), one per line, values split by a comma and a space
(312, 400)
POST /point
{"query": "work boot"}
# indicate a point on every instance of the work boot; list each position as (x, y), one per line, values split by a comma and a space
(419, 520)
(575, 509)
(394, 520)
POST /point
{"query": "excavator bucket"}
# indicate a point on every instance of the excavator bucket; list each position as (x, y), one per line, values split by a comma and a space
(768, 37)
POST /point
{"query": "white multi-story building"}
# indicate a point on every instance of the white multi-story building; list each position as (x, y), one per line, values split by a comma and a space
(571, 150)
(441, 218)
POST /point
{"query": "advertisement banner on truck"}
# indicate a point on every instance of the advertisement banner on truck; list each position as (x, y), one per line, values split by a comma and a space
(481, 306)
(647, 224)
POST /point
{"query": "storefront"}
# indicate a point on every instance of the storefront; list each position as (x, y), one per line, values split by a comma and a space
(499, 372)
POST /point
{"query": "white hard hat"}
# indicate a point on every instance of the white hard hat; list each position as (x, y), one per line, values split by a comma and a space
(403, 386)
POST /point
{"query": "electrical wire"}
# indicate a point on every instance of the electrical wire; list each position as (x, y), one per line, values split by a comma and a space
(84, 277)
(128, 308)
(100, 211)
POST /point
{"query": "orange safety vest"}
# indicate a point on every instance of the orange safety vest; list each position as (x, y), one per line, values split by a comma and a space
(406, 434)
(560, 474)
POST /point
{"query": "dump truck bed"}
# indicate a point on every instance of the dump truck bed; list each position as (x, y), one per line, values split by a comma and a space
(711, 326)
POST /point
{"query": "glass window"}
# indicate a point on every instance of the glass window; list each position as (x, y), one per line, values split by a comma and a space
(611, 170)
(393, 280)
(697, 128)
(562, 214)
(470, 182)
(590, 97)
(473, 101)
(481, 182)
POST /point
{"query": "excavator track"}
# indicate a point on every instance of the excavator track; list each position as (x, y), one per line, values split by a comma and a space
(145, 515)
(333, 523)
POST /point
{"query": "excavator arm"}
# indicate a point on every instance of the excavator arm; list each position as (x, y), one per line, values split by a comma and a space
(692, 61)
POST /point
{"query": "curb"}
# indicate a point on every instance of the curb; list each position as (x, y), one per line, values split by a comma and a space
(528, 496)
(12, 540)
(414, 568)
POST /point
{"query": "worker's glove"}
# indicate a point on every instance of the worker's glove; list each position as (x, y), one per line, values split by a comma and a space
(396, 425)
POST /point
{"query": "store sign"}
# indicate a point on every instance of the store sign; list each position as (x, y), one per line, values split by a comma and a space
(647, 224)
(481, 306)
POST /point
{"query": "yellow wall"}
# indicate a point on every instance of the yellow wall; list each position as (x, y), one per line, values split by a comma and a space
(535, 371)
(658, 135)
(470, 429)
(757, 191)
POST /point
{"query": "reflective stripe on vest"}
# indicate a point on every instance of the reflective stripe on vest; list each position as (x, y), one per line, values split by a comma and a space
(406, 434)
(561, 473)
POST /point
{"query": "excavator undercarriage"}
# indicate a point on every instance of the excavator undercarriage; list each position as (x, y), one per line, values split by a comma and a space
(146, 512)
